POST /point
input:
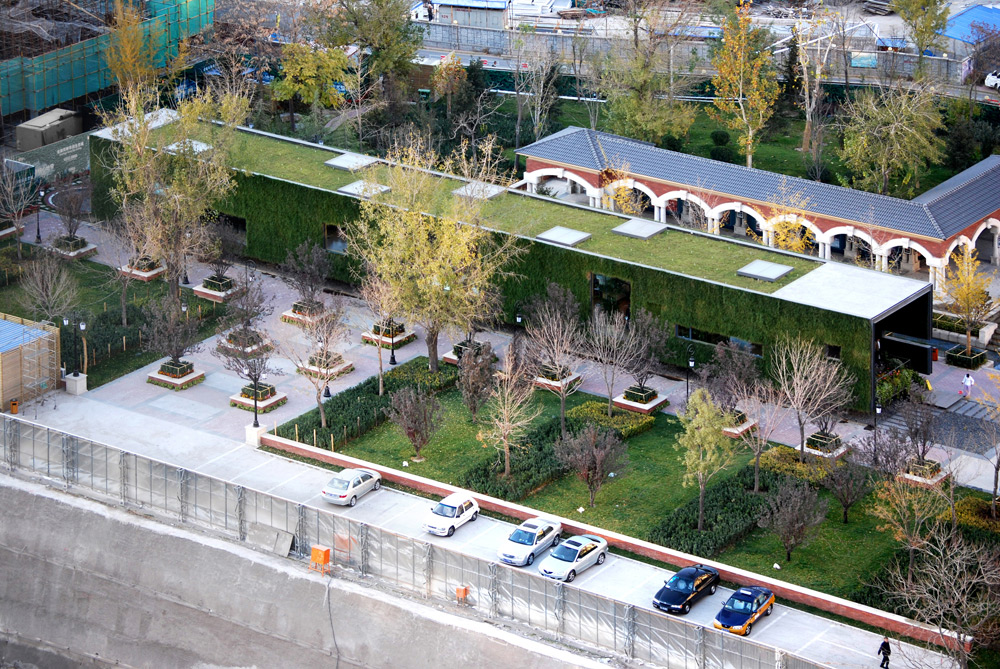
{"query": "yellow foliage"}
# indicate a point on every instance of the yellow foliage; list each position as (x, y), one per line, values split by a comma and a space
(966, 290)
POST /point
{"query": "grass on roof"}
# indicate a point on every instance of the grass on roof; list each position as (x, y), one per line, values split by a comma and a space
(676, 251)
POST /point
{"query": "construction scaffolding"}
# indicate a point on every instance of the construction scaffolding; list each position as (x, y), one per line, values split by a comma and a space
(52, 51)
(29, 360)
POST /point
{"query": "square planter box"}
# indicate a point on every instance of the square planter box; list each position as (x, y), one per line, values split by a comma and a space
(453, 356)
(389, 328)
(85, 252)
(294, 318)
(928, 475)
(956, 356)
(557, 385)
(142, 275)
(68, 244)
(265, 406)
(6, 233)
(655, 404)
(258, 344)
(212, 295)
(144, 264)
(329, 372)
(393, 343)
(826, 443)
(639, 394)
(743, 425)
(192, 378)
(310, 309)
(176, 369)
(218, 284)
(263, 391)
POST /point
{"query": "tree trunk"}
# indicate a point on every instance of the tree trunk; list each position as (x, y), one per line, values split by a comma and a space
(291, 111)
(381, 375)
(788, 555)
(124, 302)
(701, 506)
(807, 134)
(506, 462)
(802, 435)
(996, 484)
(520, 116)
(756, 472)
(562, 428)
(968, 340)
(845, 513)
(593, 496)
(749, 151)
(432, 350)
(322, 410)
(909, 567)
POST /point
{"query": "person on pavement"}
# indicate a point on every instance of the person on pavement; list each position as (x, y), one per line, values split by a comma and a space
(967, 383)
(885, 652)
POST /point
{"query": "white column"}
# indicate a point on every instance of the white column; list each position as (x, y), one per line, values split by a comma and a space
(995, 259)
(713, 225)
(658, 214)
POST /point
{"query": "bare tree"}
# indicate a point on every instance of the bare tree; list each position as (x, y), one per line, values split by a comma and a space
(593, 454)
(814, 56)
(305, 270)
(884, 451)
(793, 510)
(123, 246)
(17, 194)
(727, 377)
(416, 411)
(471, 121)
(252, 366)
(811, 385)
(612, 345)
(383, 302)
(169, 331)
(919, 421)
(849, 482)
(762, 404)
(555, 340)
(953, 589)
(587, 66)
(989, 431)
(49, 288)
(908, 511)
(510, 410)
(651, 337)
(246, 310)
(318, 360)
(476, 369)
(70, 203)
(224, 248)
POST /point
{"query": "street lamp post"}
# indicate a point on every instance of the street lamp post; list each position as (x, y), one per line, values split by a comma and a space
(322, 360)
(256, 389)
(687, 377)
(76, 353)
(392, 342)
(38, 212)
(187, 281)
(878, 410)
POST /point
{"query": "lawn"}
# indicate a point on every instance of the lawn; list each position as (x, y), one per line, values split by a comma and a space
(833, 560)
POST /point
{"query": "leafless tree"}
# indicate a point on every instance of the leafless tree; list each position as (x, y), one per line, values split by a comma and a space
(885, 451)
(651, 336)
(587, 65)
(17, 194)
(612, 345)
(470, 122)
(918, 418)
(909, 512)
(224, 249)
(729, 375)
(361, 100)
(985, 56)
(989, 431)
(476, 369)
(169, 330)
(416, 411)
(383, 302)
(70, 203)
(593, 454)
(246, 309)
(792, 511)
(555, 340)
(955, 589)
(305, 270)
(811, 385)
(49, 288)
(318, 358)
(762, 404)
(123, 246)
(814, 57)
(510, 410)
(848, 481)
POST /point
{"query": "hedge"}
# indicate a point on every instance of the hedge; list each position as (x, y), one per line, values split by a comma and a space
(784, 460)
(951, 324)
(353, 412)
(731, 513)
(974, 520)
(531, 467)
(626, 423)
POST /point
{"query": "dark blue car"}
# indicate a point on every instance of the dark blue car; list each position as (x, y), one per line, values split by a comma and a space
(743, 609)
(685, 588)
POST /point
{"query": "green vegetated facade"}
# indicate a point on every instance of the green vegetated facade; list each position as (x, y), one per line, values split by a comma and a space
(279, 215)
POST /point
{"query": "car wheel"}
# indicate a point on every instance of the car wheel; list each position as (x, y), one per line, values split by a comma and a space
(712, 590)
(749, 627)
(451, 531)
(770, 610)
(354, 500)
(686, 608)
(378, 484)
(531, 558)
(601, 558)
(474, 516)
(570, 576)
(556, 540)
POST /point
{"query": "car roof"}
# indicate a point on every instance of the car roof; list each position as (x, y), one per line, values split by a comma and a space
(347, 473)
(573, 542)
(751, 592)
(456, 498)
(531, 524)
(591, 537)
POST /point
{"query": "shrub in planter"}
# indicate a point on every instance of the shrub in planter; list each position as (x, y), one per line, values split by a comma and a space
(244, 338)
(263, 391)
(176, 370)
(552, 373)
(626, 423)
(927, 470)
(731, 512)
(388, 328)
(823, 441)
(70, 244)
(219, 284)
(307, 308)
(640, 394)
(951, 324)
(467, 345)
(956, 356)
(738, 418)
(784, 460)
(894, 385)
(144, 264)
(326, 360)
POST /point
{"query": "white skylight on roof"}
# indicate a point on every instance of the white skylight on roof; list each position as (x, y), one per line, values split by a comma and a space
(351, 162)
(363, 189)
(764, 270)
(639, 228)
(564, 236)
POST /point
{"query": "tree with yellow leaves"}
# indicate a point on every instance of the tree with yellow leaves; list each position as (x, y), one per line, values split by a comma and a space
(130, 55)
(746, 85)
(427, 244)
(788, 230)
(308, 73)
(447, 78)
(966, 290)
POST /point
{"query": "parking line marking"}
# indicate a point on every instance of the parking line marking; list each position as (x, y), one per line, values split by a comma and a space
(812, 640)
(220, 456)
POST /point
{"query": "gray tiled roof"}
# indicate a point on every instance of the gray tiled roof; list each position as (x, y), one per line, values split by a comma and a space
(966, 198)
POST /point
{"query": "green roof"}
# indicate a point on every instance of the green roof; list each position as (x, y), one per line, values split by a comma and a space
(675, 250)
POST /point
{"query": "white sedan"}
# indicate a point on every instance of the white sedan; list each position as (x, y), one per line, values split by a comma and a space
(993, 79)
(450, 513)
(573, 556)
(350, 484)
(530, 539)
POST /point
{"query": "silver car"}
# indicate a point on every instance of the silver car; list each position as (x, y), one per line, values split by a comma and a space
(573, 556)
(530, 539)
(350, 484)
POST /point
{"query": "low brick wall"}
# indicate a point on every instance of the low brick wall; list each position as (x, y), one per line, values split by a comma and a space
(782, 590)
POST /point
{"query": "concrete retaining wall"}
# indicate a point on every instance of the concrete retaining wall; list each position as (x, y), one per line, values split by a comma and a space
(106, 583)
(781, 589)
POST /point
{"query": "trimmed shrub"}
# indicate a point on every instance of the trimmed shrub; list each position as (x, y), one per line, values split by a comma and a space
(974, 520)
(626, 423)
(531, 467)
(731, 513)
(724, 154)
(957, 356)
(784, 460)
(353, 412)
(720, 137)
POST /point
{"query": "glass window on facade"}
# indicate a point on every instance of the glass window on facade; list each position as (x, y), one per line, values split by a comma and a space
(611, 295)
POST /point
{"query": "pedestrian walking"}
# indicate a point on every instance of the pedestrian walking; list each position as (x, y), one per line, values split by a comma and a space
(885, 652)
(967, 383)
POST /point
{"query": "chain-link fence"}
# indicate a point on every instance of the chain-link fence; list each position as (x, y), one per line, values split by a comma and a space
(494, 591)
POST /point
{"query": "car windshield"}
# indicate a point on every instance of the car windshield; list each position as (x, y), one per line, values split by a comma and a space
(444, 510)
(565, 553)
(739, 606)
(523, 537)
(337, 484)
(679, 584)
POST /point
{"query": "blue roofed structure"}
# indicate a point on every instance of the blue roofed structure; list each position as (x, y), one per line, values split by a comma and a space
(960, 26)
